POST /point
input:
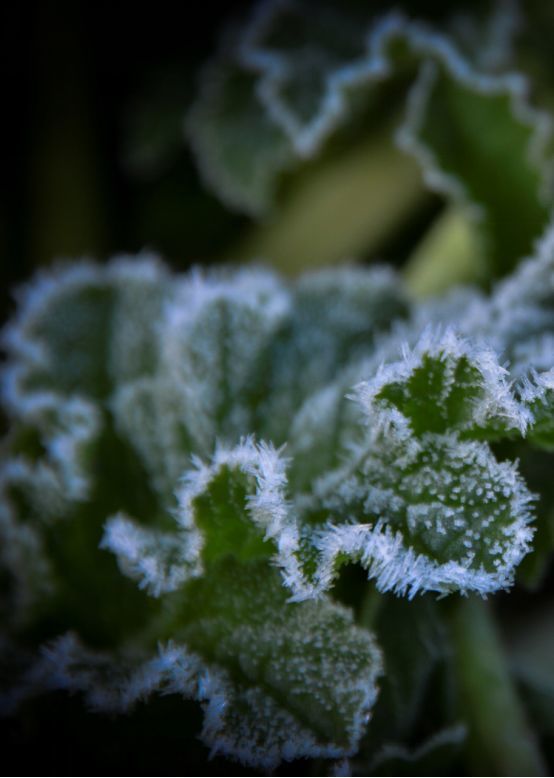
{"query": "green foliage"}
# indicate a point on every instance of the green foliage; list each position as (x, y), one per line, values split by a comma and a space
(290, 79)
(246, 490)
(411, 489)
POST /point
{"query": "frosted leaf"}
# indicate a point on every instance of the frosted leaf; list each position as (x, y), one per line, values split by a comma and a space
(537, 393)
(436, 514)
(214, 339)
(317, 447)
(297, 75)
(39, 488)
(22, 553)
(312, 65)
(34, 489)
(160, 561)
(234, 506)
(337, 314)
(417, 503)
(414, 495)
(149, 413)
(503, 170)
(239, 149)
(64, 432)
(143, 286)
(517, 319)
(521, 311)
(238, 506)
(64, 337)
(276, 681)
(110, 682)
(351, 303)
(68, 432)
(444, 383)
(306, 61)
(59, 338)
(307, 673)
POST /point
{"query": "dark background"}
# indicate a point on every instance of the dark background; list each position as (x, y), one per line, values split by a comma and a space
(94, 159)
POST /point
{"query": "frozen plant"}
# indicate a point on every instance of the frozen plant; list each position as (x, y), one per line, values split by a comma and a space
(287, 500)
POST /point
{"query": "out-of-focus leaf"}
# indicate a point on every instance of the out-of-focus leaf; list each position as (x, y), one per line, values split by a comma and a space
(433, 757)
(478, 142)
(468, 120)
(239, 149)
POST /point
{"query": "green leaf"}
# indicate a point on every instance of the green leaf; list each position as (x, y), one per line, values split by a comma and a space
(276, 680)
(304, 75)
(413, 642)
(478, 141)
(417, 503)
(215, 341)
(308, 672)
(336, 317)
(236, 506)
(446, 384)
(238, 148)
(82, 328)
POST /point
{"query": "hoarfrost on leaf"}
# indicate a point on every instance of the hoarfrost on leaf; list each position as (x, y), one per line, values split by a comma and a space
(276, 681)
(418, 502)
(228, 451)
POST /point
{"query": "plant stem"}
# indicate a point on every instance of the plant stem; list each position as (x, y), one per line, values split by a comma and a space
(500, 737)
